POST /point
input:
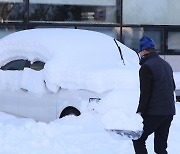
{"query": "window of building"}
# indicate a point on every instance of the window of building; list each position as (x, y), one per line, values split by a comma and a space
(148, 12)
(132, 35)
(76, 2)
(8, 29)
(4, 32)
(101, 11)
(12, 10)
(173, 42)
(111, 31)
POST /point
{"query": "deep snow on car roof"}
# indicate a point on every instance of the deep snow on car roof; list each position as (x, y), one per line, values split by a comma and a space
(74, 59)
(46, 43)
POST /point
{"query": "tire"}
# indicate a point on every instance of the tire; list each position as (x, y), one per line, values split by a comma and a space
(69, 111)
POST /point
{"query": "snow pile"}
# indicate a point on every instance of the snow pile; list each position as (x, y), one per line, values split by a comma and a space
(82, 135)
(74, 59)
(118, 110)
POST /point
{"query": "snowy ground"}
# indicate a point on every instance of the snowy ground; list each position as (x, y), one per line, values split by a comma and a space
(79, 135)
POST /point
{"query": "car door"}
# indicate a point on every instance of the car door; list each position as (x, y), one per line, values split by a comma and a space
(39, 107)
(36, 101)
(9, 101)
(9, 82)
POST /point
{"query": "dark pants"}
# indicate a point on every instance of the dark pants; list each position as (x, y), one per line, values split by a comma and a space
(159, 125)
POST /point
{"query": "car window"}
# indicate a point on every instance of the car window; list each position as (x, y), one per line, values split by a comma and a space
(37, 65)
(16, 65)
(21, 64)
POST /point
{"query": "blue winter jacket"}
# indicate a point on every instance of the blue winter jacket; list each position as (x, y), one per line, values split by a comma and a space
(156, 86)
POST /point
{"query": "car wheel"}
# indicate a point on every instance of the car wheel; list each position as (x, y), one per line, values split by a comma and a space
(69, 111)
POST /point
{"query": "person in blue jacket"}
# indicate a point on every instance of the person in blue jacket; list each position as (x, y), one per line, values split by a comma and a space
(156, 102)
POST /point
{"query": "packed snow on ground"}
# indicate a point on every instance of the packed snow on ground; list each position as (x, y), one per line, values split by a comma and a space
(70, 66)
(80, 135)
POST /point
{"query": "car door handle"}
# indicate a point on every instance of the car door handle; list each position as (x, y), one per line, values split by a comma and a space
(25, 90)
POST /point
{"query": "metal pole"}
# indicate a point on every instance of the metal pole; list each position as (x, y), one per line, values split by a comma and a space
(26, 16)
(121, 19)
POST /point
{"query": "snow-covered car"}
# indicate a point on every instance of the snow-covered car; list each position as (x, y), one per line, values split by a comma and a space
(48, 73)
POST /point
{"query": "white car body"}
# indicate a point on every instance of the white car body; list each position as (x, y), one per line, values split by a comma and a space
(46, 107)
(59, 93)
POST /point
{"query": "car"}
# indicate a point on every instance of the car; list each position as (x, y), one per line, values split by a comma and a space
(48, 73)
